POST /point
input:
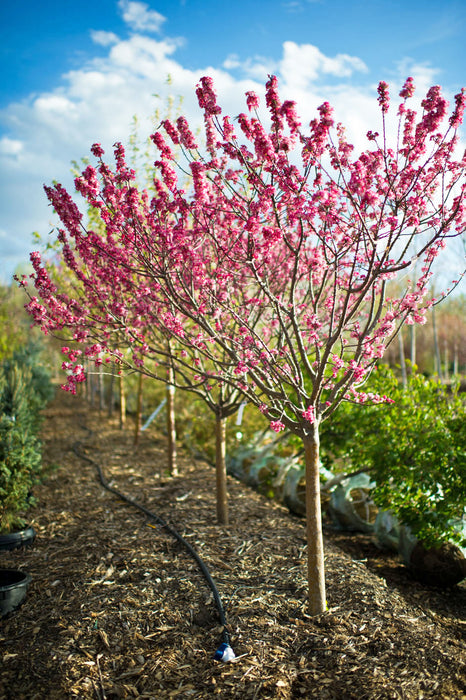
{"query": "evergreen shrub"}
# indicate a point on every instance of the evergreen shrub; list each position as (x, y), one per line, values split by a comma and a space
(25, 388)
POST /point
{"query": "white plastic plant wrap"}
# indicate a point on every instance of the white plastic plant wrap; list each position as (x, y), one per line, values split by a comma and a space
(387, 530)
(351, 507)
(294, 489)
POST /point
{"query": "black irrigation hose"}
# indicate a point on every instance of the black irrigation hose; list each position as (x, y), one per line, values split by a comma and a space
(224, 652)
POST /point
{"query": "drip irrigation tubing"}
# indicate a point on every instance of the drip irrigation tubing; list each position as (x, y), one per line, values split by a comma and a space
(224, 652)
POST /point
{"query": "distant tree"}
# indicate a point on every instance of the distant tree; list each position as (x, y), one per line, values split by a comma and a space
(419, 345)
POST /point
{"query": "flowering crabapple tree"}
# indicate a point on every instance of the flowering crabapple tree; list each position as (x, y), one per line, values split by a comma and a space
(308, 236)
(104, 297)
(277, 260)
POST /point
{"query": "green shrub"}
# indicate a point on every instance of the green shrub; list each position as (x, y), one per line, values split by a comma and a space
(25, 388)
(414, 449)
(40, 389)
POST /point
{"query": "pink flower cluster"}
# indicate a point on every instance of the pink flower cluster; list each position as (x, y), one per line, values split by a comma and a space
(277, 426)
(309, 414)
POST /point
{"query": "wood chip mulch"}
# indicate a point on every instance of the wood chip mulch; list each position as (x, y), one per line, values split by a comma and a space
(118, 609)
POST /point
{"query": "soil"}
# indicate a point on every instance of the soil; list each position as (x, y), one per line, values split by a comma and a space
(118, 609)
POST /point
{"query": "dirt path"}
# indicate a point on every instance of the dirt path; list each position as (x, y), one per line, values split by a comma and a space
(118, 610)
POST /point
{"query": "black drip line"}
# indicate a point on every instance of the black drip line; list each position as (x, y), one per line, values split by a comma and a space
(224, 649)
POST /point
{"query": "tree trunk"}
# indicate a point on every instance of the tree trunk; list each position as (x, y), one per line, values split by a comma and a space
(121, 389)
(455, 359)
(446, 372)
(100, 385)
(413, 346)
(315, 545)
(171, 429)
(110, 402)
(438, 364)
(90, 384)
(404, 378)
(88, 387)
(138, 423)
(221, 470)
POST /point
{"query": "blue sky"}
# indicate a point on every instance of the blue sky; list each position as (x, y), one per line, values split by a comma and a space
(76, 72)
(42, 40)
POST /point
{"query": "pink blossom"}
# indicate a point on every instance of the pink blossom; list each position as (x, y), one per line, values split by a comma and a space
(435, 108)
(228, 130)
(97, 150)
(272, 264)
(252, 100)
(273, 102)
(277, 426)
(309, 414)
(186, 135)
(460, 102)
(199, 181)
(384, 98)
(408, 88)
(160, 142)
(245, 124)
(207, 97)
(288, 109)
(315, 145)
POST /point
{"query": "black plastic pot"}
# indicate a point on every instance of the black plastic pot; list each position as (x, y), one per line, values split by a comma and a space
(13, 540)
(13, 588)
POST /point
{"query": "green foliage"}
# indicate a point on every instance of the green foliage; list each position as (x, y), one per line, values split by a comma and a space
(24, 389)
(14, 322)
(19, 453)
(30, 356)
(40, 389)
(414, 449)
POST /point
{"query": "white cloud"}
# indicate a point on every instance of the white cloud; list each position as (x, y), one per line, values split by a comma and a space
(104, 38)
(301, 64)
(140, 17)
(304, 64)
(231, 62)
(45, 133)
(424, 74)
(258, 68)
(139, 55)
(10, 147)
(55, 105)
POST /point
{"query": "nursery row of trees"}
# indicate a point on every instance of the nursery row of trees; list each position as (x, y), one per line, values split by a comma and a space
(412, 450)
(267, 266)
(438, 348)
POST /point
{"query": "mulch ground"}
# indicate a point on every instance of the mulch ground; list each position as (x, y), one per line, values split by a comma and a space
(117, 609)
